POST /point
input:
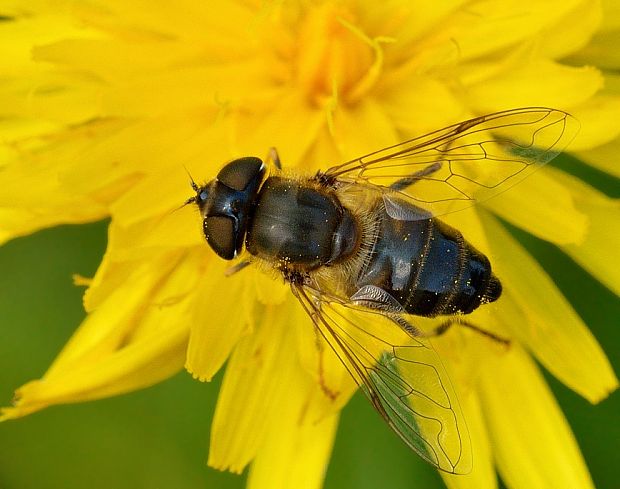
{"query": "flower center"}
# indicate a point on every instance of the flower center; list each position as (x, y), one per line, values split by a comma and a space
(335, 59)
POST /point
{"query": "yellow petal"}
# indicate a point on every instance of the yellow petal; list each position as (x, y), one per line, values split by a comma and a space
(182, 229)
(542, 319)
(33, 27)
(488, 26)
(406, 22)
(336, 386)
(160, 193)
(542, 206)
(262, 364)
(48, 165)
(557, 41)
(121, 62)
(420, 104)
(299, 435)
(137, 338)
(135, 367)
(20, 129)
(113, 155)
(113, 322)
(295, 455)
(464, 353)
(189, 20)
(240, 83)
(598, 118)
(535, 83)
(219, 318)
(57, 97)
(197, 151)
(362, 129)
(131, 248)
(290, 124)
(532, 442)
(601, 51)
(21, 222)
(22, 214)
(611, 20)
(604, 157)
(598, 253)
(269, 287)
(482, 475)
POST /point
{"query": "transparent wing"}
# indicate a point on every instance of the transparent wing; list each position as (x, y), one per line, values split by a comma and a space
(402, 376)
(455, 167)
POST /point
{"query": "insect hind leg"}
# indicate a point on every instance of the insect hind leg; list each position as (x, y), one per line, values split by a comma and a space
(448, 323)
(403, 183)
(373, 297)
(442, 328)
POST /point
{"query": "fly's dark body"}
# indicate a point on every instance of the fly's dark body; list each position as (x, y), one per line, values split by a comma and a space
(301, 226)
(429, 268)
(425, 265)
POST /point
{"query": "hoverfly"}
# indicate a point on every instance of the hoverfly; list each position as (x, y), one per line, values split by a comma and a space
(363, 251)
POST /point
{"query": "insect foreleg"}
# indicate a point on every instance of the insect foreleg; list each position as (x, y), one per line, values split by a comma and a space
(273, 157)
(405, 182)
(236, 268)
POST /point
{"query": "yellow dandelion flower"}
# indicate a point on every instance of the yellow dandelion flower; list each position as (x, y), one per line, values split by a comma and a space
(104, 103)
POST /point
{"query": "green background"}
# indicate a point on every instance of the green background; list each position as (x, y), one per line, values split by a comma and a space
(158, 437)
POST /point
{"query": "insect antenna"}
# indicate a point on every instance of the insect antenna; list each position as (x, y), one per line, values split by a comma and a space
(191, 200)
(192, 183)
(196, 189)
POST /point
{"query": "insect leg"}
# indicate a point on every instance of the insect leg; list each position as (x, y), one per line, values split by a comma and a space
(447, 324)
(236, 268)
(330, 393)
(439, 330)
(274, 157)
(405, 182)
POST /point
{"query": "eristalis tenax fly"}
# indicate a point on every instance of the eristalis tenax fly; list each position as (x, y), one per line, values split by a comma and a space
(364, 252)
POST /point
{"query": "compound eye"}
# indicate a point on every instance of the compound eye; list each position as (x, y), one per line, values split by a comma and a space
(239, 173)
(220, 234)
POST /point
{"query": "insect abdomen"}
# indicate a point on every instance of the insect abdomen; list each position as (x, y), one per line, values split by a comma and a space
(429, 268)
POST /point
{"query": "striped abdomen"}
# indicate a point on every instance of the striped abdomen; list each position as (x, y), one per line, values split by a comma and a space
(429, 268)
